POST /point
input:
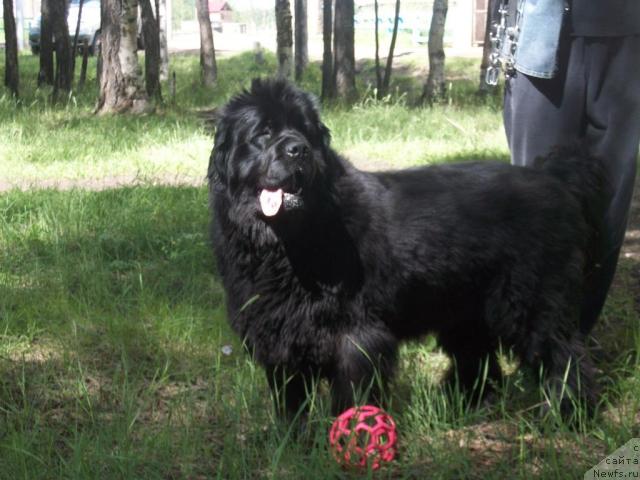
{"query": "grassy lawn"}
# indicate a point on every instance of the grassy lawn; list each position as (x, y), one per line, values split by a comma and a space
(112, 323)
(65, 143)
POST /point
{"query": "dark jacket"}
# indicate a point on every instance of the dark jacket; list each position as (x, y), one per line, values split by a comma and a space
(605, 18)
(544, 21)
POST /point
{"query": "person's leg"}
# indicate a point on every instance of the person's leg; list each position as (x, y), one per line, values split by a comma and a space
(540, 114)
(613, 134)
(596, 97)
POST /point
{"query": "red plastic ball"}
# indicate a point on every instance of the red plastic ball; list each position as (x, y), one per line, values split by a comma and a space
(363, 436)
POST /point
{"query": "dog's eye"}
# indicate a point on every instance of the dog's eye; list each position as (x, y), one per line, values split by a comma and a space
(264, 134)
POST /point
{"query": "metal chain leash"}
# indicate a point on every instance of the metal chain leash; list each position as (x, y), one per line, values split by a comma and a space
(504, 42)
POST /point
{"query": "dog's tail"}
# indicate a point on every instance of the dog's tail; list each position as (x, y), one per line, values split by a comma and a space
(584, 176)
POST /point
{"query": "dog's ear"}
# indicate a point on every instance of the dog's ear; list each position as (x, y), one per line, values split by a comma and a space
(256, 84)
(219, 159)
(325, 133)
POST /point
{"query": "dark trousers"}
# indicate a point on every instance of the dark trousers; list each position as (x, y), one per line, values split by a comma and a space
(594, 99)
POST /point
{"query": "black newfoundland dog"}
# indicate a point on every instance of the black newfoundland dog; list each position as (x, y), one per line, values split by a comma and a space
(328, 268)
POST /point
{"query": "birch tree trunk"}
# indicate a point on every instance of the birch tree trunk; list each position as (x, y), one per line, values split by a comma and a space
(151, 38)
(45, 74)
(161, 14)
(208, 67)
(301, 38)
(434, 88)
(63, 47)
(74, 48)
(343, 47)
(377, 54)
(83, 66)
(327, 53)
(121, 88)
(284, 48)
(387, 71)
(11, 72)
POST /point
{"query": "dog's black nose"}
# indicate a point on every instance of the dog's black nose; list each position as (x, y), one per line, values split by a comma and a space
(296, 149)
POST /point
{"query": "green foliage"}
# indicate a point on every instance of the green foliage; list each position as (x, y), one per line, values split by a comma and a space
(182, 10)
(258, 14)
(114, 346)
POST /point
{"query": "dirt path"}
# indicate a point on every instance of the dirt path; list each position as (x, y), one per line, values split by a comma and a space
(631, 247)
(104, 183)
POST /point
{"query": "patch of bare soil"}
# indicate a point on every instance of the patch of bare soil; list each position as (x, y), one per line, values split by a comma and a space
(631, 247)
(499, 443)
(103, 183)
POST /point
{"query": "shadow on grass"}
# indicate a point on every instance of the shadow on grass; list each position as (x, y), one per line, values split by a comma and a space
(489, 156)
(111, 362)
(112, 321)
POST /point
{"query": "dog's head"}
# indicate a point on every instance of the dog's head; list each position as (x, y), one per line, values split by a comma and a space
(270, 147)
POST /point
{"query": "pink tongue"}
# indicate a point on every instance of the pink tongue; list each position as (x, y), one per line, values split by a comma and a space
(270, 201)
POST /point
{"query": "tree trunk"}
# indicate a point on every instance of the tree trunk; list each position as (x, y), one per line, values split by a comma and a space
(121, 87)
(63, 47)
(161, 15)
(343, 47)
(99, 61)
(484, 87)
(327, 54)
(284, 38)
(45, 74)
(302, 38)
(434, 88)
(392, 47)
(75, 40)
(11, 72)
(377, 55)
(85, 61)
(208, 66)
(151, 37)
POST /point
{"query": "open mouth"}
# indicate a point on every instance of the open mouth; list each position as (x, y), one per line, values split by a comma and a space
(272, 201)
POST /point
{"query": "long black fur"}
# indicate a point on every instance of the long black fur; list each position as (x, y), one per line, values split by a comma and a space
(476, 253)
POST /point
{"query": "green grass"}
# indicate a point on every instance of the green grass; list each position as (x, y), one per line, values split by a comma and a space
(112, 320)
(66, 143)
